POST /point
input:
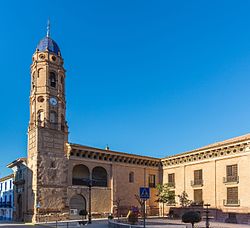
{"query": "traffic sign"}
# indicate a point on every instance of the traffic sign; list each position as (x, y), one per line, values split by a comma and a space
(144, 193)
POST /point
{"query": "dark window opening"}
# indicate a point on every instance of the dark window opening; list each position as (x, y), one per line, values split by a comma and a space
(171, 180)
(131, 177)
(151, 181)
(198, 197)
(52, 78)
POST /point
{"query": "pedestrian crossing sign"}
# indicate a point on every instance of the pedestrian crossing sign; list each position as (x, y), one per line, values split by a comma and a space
(144, 193)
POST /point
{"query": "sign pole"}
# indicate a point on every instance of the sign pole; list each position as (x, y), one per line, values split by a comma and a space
(144, 213)
(144, 195)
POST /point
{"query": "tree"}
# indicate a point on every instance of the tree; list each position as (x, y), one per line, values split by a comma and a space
(141, 202)
(118, 205)
(191, 217)
(165, 195)
(183, 199)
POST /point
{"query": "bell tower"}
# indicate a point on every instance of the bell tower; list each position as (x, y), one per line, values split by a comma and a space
(47, 133)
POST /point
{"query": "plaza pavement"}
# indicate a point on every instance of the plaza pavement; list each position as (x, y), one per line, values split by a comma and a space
(104, 224)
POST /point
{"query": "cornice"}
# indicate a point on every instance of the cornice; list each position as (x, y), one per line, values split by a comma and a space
(208, 153)
(75, 150)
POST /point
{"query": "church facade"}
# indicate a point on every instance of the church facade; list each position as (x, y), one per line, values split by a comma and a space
(60, 177)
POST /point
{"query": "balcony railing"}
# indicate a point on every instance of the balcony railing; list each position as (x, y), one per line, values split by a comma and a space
(86, 182)
(231, 179)
(197, 183)
(231, 202)
(171, 184)
(197, 203)
(5, 204)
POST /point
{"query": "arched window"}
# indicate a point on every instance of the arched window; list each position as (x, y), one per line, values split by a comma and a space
(52, 79)
(53, 117)
(80, 175)
(40, 116)
(99, 177)
(33, 81)
(131, 177)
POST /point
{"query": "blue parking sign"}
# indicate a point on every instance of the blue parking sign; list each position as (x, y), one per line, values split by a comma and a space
(144, 193)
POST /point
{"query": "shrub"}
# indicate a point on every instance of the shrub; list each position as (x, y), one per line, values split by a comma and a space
(83, 212)
(191, 217)
(110, 216)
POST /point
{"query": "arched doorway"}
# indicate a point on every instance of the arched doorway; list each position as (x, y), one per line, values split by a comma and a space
(80, 175)
(100, 177)
(76, 204)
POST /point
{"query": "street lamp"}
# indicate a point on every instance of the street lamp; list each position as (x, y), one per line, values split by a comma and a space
(90, 183)
(207, 212)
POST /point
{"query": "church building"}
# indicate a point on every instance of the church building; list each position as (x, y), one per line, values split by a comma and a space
(62, 178)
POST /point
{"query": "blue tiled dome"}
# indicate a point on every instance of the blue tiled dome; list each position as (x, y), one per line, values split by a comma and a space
(48, 44)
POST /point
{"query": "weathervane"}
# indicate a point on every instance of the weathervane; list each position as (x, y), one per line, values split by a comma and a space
(48, 28)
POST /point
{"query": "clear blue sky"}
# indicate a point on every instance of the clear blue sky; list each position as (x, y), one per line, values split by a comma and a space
(147, 77)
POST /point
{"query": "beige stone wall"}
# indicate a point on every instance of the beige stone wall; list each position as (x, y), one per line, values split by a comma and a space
(119, 186)
(213, 171)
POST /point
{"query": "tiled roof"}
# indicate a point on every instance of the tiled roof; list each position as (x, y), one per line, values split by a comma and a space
(47, 44)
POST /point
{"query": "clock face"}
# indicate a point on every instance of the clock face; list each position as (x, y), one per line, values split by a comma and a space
(53, 101)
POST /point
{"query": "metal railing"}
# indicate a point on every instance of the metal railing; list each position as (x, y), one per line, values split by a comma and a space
(86, 182)
(231, 179)
(5, 204)
(197, 203)
(171, 184)
(197, 182)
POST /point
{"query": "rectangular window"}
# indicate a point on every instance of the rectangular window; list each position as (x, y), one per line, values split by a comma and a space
(198, 197)
(198, 177)
(198, 174)
(171, 198)
(232, 195)
(232, 173)
(10, 184)
(5, 185)
(151, 181)
(131, 177)
(171, 180)
(1, 187)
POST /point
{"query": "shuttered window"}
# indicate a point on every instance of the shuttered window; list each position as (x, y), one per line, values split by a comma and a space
(198, 174)
(171, 178)
(232, 194)
(232, 170)
(198, 196)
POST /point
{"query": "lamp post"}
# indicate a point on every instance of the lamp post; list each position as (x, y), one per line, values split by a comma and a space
(207, 212)
(90, 183)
